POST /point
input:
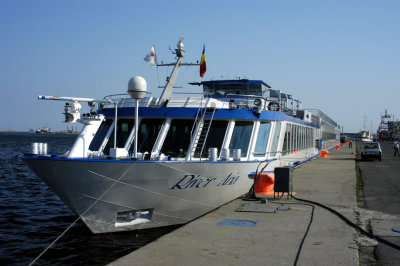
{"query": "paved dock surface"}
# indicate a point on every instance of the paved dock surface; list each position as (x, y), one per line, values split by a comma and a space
(381, 187)
(276, 238)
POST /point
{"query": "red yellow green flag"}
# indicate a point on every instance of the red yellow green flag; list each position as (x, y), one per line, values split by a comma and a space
(203, 66)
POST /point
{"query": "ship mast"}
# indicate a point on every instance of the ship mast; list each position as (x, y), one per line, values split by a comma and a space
(180, 53)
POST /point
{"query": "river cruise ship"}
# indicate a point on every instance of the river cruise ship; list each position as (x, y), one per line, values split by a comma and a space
(142, 161)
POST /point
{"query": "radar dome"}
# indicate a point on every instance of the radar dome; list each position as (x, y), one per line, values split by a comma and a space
(137, 87)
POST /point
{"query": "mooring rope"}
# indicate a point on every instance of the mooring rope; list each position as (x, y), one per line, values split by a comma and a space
(154, 192)
(69, 227)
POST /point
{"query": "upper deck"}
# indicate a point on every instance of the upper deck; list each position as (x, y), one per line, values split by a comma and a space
(254, 96)
(221, 94)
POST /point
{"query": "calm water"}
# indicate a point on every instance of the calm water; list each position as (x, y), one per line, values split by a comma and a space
(32, 216)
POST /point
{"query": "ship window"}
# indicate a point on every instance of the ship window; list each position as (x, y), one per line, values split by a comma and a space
(275, 139)
(294, 138)
(262, 139)
(312, 137)
(214, 139)
(208, 89)
(306, 131)
(178, 138)
(301, 143)
(291, 133)
(100, 135)
(241, 137)
(147, 134)
(255, 89)
(124, 127)
(301, 137)
(287, 140)
(308, 137)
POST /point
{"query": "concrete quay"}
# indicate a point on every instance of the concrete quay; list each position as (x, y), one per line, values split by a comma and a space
(276, 238)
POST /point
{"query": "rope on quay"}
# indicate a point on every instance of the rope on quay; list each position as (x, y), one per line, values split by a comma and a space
(69, 227)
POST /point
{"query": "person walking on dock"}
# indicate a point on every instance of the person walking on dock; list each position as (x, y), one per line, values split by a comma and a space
(396, 148)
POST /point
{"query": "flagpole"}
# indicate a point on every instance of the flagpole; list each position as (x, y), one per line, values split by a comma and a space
(155, 55)
(158, 72)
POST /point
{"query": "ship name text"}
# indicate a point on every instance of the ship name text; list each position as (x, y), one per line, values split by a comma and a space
(197, 181)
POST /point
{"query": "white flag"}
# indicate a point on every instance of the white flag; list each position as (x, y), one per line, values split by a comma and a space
(151, 57)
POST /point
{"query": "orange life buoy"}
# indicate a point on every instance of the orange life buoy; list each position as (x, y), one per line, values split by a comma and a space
(274, 106)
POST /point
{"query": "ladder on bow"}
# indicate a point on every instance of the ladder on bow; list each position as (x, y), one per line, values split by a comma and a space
(201, 128)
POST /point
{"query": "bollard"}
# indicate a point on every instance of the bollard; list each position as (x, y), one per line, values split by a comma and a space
(44, 148)
(225, 154)
(237, 153)
(40, 148)
(35, 148)
(213, 154)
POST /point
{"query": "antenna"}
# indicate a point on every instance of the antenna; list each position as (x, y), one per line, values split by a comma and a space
(179, 51)
(72, 105)
(365, 122)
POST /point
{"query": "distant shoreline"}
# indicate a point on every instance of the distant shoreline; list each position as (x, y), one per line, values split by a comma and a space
(54, 132)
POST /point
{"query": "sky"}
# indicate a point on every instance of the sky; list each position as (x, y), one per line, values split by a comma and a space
(342, 57)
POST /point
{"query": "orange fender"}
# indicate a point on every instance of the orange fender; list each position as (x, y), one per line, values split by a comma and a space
(323, 153)
(265, 184)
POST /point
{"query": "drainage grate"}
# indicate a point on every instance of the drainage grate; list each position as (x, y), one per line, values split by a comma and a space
(234, 222)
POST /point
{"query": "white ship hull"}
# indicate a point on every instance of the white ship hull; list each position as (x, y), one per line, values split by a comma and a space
(166, 193)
